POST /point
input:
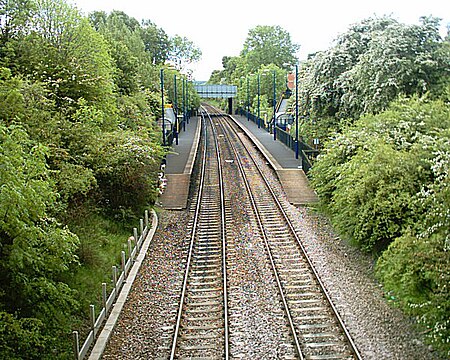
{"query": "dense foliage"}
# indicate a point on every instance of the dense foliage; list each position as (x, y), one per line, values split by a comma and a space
(383, 172)
(79, 144)
(367, 68)
(385, 184)
(267, 50)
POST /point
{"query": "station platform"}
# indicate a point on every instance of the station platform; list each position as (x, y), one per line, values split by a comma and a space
(180, 162)
(179, 166)
(282, 159)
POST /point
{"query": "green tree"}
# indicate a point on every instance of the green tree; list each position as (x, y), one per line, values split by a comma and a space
(384, 182)
(368, 67)
(156, 42)
(63, 51)
(126, 46)
(183, 52)
(15, 15)
(35, 250)
(266, 45)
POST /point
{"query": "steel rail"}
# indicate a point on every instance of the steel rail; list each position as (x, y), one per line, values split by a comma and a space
(194, 231)
(191, 247)
(269, 252)
(342, 325)
(224, 242)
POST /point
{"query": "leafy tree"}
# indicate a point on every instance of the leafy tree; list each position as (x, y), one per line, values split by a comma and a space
(183, 52)
(15, 15)
(380, 157)
(156, 42)
(63, 51)
(415, 269)
(368, 67)
(126, 46)
(34, 249)
(21, 338)
(268, 45)
(384, 182)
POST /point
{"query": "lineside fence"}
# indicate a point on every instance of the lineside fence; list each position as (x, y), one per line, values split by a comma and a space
(118, 278)
(306, 152)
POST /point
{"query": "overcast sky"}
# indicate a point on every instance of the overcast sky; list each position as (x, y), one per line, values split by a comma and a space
(219, 28)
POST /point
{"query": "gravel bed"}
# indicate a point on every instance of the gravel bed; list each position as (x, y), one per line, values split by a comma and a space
(147, 317)
(379, 330)
(258, 327)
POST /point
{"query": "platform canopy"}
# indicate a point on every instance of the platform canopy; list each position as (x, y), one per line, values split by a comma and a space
(216, 91)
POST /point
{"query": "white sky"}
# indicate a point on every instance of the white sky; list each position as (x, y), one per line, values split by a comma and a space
(219, 28)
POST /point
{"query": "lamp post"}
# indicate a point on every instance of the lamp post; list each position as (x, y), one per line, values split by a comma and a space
(184, 104)
(274, 105)
(162, 107)
(187, 101)
(259, 90)
(248, 98)
(296, 111)
(175, 107)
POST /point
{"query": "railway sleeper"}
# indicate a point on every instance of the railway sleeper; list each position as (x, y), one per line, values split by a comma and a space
(204, 283)
(302, 295)
(306, 301)
(209, 261)
(298, 285)
(205, 289)
(204, 296)
(207, 327)
(203, 274)
(331, 357)
(205, 266)
(204, 304)
(207, 248)
(208, 254)
(201, 311)
(311, 318)
(204, 318)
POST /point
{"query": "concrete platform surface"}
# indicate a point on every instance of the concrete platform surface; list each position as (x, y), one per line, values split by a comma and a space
(282, 159)
(180, 165)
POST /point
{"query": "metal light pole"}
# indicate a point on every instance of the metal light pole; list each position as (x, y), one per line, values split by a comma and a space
(162, 107)
(184, 104)
(187, 101)
(259, 90)
(175, 107)
(248, 98)
(274, 106)
(296, 111)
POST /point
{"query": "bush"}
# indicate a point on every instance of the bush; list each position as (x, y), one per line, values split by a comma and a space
(372, 204)
(415, 272)
(21, 338)
(385, 183)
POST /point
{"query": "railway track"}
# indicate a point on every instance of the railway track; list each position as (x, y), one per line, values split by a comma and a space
(211, 322)
(201, 329)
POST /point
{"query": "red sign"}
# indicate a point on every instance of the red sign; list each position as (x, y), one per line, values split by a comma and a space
(291, 81)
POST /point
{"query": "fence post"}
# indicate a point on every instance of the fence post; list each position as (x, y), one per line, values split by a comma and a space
(141, 226)
(136, 238)
(104, 297)
(146, 218)
(129, 249)
(123, 262)
(92, 313)
(76, 345)
(114, 277)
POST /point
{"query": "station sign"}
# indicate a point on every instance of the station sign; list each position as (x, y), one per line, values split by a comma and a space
(291, 81)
